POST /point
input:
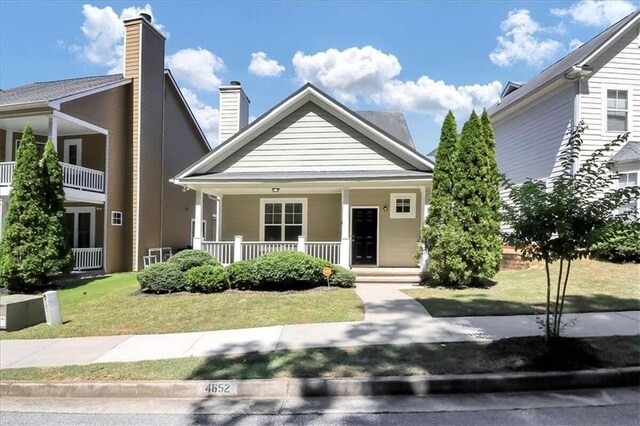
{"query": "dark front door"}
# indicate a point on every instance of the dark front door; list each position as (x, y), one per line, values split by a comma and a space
(364, 238)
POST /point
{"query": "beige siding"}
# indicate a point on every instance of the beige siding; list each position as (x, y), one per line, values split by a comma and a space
(241, 216)
(311, 139)
(527, 142)
(183, 145)
(111, 110)
(93, 150)
(617, 68)
(398, 238)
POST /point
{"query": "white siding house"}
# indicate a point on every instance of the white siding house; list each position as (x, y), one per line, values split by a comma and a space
(599, 83)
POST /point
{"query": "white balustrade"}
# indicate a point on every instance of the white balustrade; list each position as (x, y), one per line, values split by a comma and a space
(254, 249)
(72, 176)
(6, 173)
(87, 258)
(329, 251)
(221, 250)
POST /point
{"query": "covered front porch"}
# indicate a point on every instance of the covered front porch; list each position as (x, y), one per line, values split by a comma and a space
(369, 223)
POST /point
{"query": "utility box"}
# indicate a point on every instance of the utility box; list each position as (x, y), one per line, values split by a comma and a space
(18, 311)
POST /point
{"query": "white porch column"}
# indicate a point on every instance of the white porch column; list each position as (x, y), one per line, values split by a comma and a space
(53, 131)
(8, 154)
(219, 218)
(301, 244)
(1, 215)
(345, 238)
(425, 212)
(197, 226)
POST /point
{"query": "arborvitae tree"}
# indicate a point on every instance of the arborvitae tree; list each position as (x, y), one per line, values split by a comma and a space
(22, 264)
(441, 235)
(59, 257)
(476, 199)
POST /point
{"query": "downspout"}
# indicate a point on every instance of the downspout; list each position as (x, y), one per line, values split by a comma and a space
(576, 118)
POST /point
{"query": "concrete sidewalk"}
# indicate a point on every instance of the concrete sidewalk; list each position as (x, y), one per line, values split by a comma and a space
(391, 317)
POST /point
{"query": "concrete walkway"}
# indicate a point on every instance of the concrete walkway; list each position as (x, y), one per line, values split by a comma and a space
(391, 317)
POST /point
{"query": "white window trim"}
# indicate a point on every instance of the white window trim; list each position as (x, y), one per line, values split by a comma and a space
(605, 88)
(92, 235)
(392, 206)
(192, 229)
(264, 201)
(628, 172)
(67, 144)
(114, 212)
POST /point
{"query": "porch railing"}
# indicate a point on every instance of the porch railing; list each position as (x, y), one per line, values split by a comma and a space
(73, 176)
(221, 250)
(228, 252)
(329, 251)
(6, 173)
(82, 178)
(87, 258)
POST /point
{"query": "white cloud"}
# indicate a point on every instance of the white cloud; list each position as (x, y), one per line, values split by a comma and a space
(597, 13)
(575, 43)
(208, 117)
(350, 73)
(197, 67)
(370, 75)
(103, 31)
(262, 66)
(520, 41)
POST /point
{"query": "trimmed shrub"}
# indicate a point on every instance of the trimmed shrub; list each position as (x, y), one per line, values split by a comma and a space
(188, 259)
(289, 269)
(207, 279)
(342, 277)
(165, 277)
(619, 241)
(242, 275)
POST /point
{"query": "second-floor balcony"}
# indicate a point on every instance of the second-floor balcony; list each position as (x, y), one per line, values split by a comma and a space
(74, 177)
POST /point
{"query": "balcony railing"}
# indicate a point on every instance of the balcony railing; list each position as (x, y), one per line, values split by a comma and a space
(87, 258)
(73, 176)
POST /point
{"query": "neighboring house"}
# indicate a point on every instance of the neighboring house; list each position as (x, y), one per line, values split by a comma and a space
(120, 139)
(599, 83)
(312, 175)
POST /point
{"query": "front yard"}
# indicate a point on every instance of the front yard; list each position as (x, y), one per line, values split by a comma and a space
(593, 286)
(110, 306)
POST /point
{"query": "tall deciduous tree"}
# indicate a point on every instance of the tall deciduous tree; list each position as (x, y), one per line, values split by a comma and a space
(59, 257)
(476, 200)
(22, 264)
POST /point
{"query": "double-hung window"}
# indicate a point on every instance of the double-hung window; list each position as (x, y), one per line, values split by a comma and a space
(617, 110)
(625, 180)
(283, 219)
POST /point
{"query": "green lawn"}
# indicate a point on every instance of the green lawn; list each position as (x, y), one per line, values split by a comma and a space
(515, 354)
(110, 306)
(593, 286)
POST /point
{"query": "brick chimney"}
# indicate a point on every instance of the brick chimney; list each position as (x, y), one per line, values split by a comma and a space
(234, 110)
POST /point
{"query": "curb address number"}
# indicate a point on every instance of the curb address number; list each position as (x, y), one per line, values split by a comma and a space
(224, 388)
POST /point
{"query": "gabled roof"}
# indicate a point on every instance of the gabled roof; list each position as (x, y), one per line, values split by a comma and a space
(307, 93)
(579, 57)
(629, 152)
(48, 91)
(511, 86)
(392, 122)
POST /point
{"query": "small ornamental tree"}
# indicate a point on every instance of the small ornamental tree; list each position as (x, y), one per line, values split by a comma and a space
(22, 263)
(476, 200)
(560, 220)
(59, 257)
(439, 230)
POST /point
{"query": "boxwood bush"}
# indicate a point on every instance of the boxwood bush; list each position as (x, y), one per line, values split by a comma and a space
(243, 276)
(342, 277)
(165, 277)
(619, 241)
(207, 279)
(188, 259)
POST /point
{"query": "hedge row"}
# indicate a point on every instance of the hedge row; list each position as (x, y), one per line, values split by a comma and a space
(196, 271)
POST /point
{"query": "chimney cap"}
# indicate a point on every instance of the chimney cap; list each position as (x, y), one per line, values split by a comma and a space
(147, 16)
(235, 83)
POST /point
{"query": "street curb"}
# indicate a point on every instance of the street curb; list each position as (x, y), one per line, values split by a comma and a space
(316, 387)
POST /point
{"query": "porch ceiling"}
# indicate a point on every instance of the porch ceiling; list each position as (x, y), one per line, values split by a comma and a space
(40, 125)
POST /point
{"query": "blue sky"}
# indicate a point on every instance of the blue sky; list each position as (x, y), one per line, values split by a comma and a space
(421, 58)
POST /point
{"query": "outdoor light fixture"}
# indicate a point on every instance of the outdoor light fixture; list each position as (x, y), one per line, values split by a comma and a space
(275, 189)
(385, 208)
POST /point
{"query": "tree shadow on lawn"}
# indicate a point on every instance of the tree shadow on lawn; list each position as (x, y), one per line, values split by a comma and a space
(480, 305)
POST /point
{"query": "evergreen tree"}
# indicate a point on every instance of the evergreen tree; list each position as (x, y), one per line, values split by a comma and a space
(22, 264)
(476, 201)
(441, 235)
(59, 257)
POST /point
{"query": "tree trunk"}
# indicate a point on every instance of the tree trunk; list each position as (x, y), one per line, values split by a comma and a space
(564, 292)
(555, 310)
(547, 331)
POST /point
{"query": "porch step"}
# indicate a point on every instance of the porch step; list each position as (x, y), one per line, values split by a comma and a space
(388, 280)
(386, 272)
